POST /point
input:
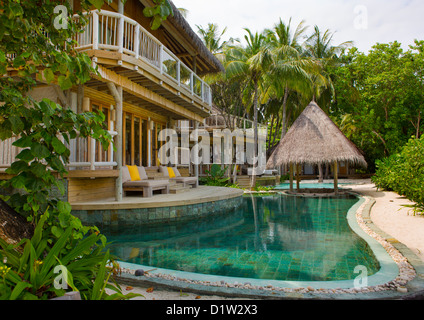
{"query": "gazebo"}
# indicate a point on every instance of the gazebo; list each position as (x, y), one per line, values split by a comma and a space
(314, 139)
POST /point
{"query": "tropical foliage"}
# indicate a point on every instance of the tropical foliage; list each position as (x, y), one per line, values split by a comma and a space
(404, 173)
(33, 48)
(375, 98)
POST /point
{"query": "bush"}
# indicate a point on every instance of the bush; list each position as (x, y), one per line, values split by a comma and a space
(216, 177)
(29, 270)
(404, 173)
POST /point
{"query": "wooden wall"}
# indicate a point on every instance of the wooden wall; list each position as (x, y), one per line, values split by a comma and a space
(80, 190)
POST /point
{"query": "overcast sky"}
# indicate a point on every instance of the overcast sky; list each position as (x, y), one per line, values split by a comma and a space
(364, 22)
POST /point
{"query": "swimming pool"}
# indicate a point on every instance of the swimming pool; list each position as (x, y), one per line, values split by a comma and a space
(275, 237)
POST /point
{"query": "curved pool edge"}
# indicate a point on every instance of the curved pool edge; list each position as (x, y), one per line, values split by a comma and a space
(381, 285)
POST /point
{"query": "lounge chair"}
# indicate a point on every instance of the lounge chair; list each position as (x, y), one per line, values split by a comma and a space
(193, 181)
(145, 185)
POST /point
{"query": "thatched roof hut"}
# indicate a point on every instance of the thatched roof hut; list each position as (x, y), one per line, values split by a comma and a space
(315, 139)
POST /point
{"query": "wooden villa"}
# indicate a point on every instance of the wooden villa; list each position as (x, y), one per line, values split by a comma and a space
(148, 80)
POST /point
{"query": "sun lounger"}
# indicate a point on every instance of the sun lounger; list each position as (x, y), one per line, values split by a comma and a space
(144, 184)
(193, 181)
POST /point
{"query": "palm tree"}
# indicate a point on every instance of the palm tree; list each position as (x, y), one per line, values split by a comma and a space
(212, 38)
(251, 62)
(319, 46)
(290, 70)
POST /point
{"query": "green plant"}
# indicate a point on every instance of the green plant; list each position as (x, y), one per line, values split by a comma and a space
(404, 173)
(284, 177)
(263, 188)
(216, 176)
(159, 12)
(31, 274)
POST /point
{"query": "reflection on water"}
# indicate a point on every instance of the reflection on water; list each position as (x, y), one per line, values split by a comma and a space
(269, 237)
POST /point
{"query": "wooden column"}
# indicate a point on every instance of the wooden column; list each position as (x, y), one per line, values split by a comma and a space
(149, 142)
(291, 176)
(297, 177)
(335, 174)
(196, 166)
(117, 94)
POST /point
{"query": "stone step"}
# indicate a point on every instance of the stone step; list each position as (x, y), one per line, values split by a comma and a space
(178, 188)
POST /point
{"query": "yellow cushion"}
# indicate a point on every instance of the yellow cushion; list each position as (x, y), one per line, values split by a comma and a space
(135, 175)
(171, 173)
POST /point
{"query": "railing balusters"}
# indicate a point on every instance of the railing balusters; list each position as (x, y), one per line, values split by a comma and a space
(127, 36)
(95, 30)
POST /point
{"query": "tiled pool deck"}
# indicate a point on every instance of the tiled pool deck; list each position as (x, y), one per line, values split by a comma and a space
(401, 275)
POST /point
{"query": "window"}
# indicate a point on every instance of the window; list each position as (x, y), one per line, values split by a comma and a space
(136, 143)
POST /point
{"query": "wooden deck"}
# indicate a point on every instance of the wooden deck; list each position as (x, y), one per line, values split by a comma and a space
(200, 194)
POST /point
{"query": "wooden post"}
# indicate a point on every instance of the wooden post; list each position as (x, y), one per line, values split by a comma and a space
(121, 34)
(117, 94)
(196, 166)
(298, 177)
(335, 174)
(149, 142)
(95, 30)
(291, 176)
(137, 41)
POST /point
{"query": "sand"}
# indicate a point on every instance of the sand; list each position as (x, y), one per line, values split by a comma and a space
(388, 213)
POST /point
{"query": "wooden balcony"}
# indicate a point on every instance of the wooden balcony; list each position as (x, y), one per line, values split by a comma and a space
(122, 45)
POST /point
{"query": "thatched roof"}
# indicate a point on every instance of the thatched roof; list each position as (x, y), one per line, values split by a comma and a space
(314, 139)
(181, 23)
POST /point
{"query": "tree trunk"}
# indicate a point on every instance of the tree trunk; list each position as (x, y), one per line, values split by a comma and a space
(255, 137)
(284, 129)
(13, 227)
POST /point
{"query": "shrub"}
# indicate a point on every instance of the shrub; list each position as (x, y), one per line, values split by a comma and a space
(32, 274)
(404, 173)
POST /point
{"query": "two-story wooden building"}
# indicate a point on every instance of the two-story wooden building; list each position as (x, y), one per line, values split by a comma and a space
(147, 80)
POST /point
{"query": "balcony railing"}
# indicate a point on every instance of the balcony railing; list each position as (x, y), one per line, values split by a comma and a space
(112, 31)
(86, 153)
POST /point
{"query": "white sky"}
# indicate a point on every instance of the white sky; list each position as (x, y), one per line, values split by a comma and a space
(364, 22)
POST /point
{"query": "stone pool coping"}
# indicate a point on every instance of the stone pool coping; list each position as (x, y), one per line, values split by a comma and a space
(401, 275)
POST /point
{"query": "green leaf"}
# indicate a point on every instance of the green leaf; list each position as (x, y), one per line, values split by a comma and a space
(47, 107)
(56, 231)
(65, 83)
(56, 164)
(39, 150)
(38, 169)
(97, 3)
(2, 56)
(17, 167)
(17, 124)
(48, 75)
(15, 10)
(58, 146)
(149, 12)
(156, 23)
(101, 281)
(21, 286)
(25, 155)
(23, 142)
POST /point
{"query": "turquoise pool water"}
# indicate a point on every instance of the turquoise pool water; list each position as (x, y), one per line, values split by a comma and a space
(276, 237)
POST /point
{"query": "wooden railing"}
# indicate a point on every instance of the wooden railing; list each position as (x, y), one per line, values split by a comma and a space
(86, 153)
(115, 32)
